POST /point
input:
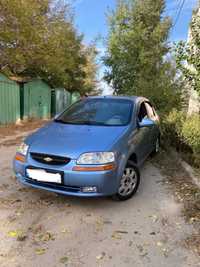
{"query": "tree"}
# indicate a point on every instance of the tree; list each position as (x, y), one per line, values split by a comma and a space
(90, 69)
(188, 54)
(38, 39)
(137, 52)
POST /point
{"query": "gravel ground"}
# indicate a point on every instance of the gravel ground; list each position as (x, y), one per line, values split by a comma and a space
(39, 229)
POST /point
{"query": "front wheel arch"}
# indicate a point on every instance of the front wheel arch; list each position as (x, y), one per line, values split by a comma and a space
(119, 197)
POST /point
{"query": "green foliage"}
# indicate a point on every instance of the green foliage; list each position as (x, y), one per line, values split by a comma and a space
(38, 39)
(188, 55)
(191, 132)
(183, 133)
(171, 126)
(137, 50)
(90, 69)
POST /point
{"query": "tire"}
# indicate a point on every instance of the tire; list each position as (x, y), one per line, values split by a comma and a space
(125, 193)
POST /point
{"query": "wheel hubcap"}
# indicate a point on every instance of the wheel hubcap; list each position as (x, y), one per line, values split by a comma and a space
(128, 182)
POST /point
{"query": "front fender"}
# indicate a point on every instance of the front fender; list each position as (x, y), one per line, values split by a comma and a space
(124, 150)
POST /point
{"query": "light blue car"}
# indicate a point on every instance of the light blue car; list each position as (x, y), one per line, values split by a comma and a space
(94, 148)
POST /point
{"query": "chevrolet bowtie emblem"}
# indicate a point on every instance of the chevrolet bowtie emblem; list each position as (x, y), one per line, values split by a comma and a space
(48, 159)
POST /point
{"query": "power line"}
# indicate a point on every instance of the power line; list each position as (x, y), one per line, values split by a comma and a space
(179, 3)
(179, 13)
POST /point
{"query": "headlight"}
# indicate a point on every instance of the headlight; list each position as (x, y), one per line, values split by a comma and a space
(23, 149)
(96, 158)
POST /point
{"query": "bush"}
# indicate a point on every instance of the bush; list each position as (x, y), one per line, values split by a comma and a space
(171, 126)
(183, 133)
(191, 132)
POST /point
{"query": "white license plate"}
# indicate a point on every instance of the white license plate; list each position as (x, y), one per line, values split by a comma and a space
(44, 176)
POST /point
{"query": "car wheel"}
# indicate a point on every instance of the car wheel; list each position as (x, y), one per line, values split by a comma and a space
(129, 182)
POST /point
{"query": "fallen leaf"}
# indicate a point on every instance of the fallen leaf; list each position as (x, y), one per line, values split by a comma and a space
(144, 254)
(154, 218)
(116, 236)
(21, 237)
(121, 232)
(192, 219)
(38, 229)
(12, 218)
(99, 225)
(16, 201)
(40, 251)
(45, 237)
(159, 244)
(19, 234)
(152, 233)
(101, 256)
(165, 252)
(65, 231)
(130, 243)
(140, 248)
(12, 233)
(64, 260)
(18, 213)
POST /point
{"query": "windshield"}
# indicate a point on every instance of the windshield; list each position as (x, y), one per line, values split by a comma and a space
(105, 112)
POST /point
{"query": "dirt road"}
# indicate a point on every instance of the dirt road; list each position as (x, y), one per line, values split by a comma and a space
(39, 229)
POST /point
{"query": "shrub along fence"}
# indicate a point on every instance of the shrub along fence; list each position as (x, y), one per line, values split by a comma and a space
(31, 99)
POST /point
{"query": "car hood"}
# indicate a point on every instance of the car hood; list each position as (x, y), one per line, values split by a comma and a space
(73, 140)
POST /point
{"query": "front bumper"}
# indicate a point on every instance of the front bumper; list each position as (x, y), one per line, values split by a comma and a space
(106, 182)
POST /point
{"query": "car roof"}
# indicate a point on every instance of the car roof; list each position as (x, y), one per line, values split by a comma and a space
(135, 99)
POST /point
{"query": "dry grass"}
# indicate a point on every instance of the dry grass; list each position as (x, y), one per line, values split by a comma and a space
(13, 129)
(185, 192)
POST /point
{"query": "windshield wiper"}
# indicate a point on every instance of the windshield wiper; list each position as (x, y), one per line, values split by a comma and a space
(91, 123)
(82, 122)
(60, 121)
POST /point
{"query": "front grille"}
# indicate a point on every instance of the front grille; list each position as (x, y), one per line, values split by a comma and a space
(66, 188)
(50, 159)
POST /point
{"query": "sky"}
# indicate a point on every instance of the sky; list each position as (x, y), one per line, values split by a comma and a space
(90, 19)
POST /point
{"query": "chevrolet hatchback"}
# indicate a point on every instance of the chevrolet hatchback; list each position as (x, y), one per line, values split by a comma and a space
(94, 148)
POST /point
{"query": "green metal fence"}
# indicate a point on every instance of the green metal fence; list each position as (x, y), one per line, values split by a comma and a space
(9, 101)
(34, 99)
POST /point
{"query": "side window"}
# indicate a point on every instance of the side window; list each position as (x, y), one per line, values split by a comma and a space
(151, 111)
(142, 112)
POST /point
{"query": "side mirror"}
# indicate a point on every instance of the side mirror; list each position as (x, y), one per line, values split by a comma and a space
(146, 122)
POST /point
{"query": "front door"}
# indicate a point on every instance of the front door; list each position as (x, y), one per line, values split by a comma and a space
(142, 137)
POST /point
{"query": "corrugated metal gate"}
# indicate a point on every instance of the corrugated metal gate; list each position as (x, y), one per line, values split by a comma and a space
(60, 100)
(37, 100)
(75, 97)
(9, 100)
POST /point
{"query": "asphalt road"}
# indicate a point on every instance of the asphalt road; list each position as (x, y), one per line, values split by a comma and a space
(39, 229)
